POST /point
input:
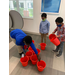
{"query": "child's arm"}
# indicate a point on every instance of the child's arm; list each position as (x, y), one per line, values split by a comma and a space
(40, 28)
(48, 27)
(33, 47)
(54, 31)
(35, 50)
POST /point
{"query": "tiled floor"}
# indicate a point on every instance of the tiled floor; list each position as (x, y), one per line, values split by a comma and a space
(54, 65)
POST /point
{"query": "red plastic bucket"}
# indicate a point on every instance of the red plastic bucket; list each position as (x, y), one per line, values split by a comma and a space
(54, 39)
(29, 54)
(43, 45)
(33, 41)
(25, 47)
(34, 59)
(24, 60)
(30, 49)
(38, 51)
(41, 65)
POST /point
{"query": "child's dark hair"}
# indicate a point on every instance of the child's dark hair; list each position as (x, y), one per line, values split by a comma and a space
(28, 39)
(44, 15)
(59, 20)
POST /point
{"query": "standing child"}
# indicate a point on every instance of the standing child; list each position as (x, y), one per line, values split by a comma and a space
(60, 34)
(44, 27)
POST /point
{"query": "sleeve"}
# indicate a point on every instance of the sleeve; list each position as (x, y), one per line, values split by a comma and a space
(12, 34)
(55, 30)
(33, 47)
(48, 27)
(40, 28)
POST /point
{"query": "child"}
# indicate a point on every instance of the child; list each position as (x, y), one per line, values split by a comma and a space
(21, 39)
(44, 27)
(60, 34)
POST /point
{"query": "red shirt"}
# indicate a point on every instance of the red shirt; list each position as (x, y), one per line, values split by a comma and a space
(60, 33)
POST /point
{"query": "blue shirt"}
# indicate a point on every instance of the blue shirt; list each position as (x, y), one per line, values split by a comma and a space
(19, 35)
(44, 27)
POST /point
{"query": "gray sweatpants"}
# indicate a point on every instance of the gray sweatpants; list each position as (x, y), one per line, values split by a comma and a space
(60, 48)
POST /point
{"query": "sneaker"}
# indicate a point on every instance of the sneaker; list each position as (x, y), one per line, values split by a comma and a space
(21, 54)
(55, 51)
(58, 55)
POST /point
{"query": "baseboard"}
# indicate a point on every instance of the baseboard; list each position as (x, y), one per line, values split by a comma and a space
(33, 33)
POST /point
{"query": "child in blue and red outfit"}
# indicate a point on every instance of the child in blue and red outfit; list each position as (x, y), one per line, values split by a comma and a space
(60, 34)
(22, 41)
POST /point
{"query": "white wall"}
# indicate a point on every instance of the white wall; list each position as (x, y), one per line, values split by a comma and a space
(32, 25)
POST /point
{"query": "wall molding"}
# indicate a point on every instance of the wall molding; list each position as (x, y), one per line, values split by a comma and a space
(33, 33)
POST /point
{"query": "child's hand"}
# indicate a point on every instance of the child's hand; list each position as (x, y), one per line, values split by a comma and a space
(39, 58)
(39, 32)
(52, 33)
(57, 36)
(47, 34)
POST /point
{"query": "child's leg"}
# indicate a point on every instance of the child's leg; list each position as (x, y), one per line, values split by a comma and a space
(20, 50)
(57, 48)
(61, 49)
(42, 38)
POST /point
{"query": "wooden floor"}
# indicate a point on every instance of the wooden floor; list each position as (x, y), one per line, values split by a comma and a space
(54, 65)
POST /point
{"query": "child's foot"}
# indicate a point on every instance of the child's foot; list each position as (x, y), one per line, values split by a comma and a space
(58, 55)
(21, 54)
(55, 51)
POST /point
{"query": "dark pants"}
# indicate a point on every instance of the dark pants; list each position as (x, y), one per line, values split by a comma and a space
(60, 48)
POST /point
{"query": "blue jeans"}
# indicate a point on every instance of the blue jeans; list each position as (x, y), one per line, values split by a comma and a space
(60, 48)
